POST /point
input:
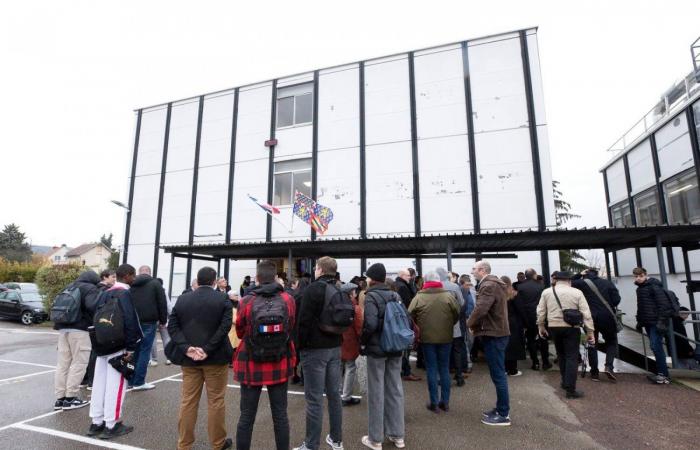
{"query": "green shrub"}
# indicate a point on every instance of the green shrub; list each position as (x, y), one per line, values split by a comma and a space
(24, 272)
(53, 279)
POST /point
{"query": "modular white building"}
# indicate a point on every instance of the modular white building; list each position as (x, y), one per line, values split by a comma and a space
(450, 139)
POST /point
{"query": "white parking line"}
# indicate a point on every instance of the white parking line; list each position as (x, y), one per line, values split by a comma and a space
(30, 419)
(76, 437)
(26, 363)
(15, 331)
(27, 376)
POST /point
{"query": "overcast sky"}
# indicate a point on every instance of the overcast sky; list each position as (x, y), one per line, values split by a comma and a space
(74, 71)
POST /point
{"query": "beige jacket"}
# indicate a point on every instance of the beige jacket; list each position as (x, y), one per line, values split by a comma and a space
(571, 298)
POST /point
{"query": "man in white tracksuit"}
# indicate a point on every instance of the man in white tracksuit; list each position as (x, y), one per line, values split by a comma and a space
(109, 385)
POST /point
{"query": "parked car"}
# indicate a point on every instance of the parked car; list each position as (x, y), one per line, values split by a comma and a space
(23, 305)
(3, 287)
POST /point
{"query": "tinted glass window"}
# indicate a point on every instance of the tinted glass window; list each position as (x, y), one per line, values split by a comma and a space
(621, 215)
(646, 206)
(303, 109)
(285, 112)
(682, 199)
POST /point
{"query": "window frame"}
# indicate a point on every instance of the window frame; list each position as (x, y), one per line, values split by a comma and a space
(644, 194)
(302, 87)
(622, 205)
(667, 199)
(291, 185)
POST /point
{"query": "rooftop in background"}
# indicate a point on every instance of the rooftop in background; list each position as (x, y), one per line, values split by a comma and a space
(82, 249)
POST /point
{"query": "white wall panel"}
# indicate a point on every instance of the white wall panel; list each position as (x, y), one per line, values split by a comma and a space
(215, 143)
(140, 254)
(288, 227)
(151, 136)
(617, 186)
(392, 265)
(626, 261)
(253, 122)
(177, 201)
(163, 268)
(641, 167)
(293, 142)
(339, 109)
(506, 181)
(144, 210)
(183, 135)
(339, 189)
(296, 79)
(440, 101)
(212, 199)
(536, 77)
(445, 186)
(546, 176)
(180, 282)
(511, 266)
(249, 221)
(390, 189)
(673, 146)
(348, 268)
(693, 260)
(387, 102)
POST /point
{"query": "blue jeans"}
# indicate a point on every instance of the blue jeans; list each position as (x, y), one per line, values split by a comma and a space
(322, 374)
(656, 342)
(437, 361)
(495, 351)
(143, 354)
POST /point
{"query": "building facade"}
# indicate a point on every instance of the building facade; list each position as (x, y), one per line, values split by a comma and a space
(449, 139)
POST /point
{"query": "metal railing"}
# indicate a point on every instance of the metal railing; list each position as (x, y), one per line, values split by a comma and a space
(671, 335)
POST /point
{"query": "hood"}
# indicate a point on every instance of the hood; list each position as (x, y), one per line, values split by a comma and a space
(89, 276)
(141, 280)
(268, 289)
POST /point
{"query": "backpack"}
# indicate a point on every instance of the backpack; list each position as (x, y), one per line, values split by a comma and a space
(338, 312)
(674, 302)
(66, 306)
(397, 332)
(268, 340)
(108, 321)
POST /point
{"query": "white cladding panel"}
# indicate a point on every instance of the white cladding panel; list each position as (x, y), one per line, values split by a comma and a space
(144, 210)
(392, 265)
(693, 260)
(387, 102)
(641, 167)
(445, 186)
(389, 189)
(459, 265)
(286, 227)
(546, 176)
(348, 268)
(339, 109)
(140, 254)
(217, 121)
(339, 189)
(253, 123)
(506, 181)
(212, 199)
(249, 221)
(293, 142)
(151, 136)
(177, 202)
(617, 186)
(440, 101)
(511, 266)
(536, 78)
(183, 135)
(626, 261)
(180, 282)
(673, 146)
(163, 268)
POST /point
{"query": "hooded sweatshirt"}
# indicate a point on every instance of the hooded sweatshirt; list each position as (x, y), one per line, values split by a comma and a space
(87, 284)
(148, 297)
(490, 315)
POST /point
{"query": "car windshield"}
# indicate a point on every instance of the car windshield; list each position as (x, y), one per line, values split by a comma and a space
(31, 297)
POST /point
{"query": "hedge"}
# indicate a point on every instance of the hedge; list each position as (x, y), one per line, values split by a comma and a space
(53, 279)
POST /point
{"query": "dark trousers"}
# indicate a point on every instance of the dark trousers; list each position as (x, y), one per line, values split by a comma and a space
(536, 344)
(90, 372)
(406, 363)
(511, 366)
(250, 396)
(459, 350)
(567, 341)
(420, 361)
(610, 337)
(495, 352)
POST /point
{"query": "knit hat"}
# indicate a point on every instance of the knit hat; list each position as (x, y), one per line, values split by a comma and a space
(377, 272)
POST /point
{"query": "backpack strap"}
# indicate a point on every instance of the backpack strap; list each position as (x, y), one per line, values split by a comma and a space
(595, 290)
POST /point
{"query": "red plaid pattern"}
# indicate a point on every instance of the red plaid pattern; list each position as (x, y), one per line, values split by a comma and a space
(252, 373)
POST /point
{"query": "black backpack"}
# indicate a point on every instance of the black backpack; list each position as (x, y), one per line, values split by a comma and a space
(338, 312)
(268, 340)
(108, 321)
(66, 306)
(674, 302)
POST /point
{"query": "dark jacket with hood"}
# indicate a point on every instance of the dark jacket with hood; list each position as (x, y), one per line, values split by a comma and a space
(490, 315)
(310, 307)
(376, 299)
(148, 297)
(87, 284)
(603, 320)
(652, 303)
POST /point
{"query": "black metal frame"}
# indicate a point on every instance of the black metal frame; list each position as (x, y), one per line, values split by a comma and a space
(127, 228)
(693, 135)
(314, 145)
(271, 161)
(414, 144)
(473, 177)
(161, 192)
(195, 180)
(231, 174)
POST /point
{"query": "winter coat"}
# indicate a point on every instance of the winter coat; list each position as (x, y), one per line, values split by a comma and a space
(490, 315)
(350, 349)
(529, 293)
(602, 319)
(89, 292)
(435, 310)
(652, 303)
(375, 306)
(404, 291)
(149, 299)
(549, 311)
(516, 344)
(310, 308)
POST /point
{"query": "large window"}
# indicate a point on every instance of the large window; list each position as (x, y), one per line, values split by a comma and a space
(646, 208)
(621, 215)
(683, 199)
(291, 176)
(294, 105)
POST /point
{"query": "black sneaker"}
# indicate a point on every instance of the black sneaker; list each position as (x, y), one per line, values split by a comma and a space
(228, 443)
(119, 429)
(74, 403)
(611, 376)
(460, 382)
(59, 404)
(547, 365)
(433, 408)
(444, 406)
(95, 429)
(489, 413)
(352, 401)
(574, 394)
(595, 376)
(535, 366)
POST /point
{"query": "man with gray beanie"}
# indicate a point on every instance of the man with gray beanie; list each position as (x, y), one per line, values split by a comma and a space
(459, 344)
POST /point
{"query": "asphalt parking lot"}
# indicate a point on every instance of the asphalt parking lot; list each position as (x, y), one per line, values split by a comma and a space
(631, 414)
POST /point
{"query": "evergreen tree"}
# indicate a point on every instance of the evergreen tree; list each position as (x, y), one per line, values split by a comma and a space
(13, 246)
(570, 260)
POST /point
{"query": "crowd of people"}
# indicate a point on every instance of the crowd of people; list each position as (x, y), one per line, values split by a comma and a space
(335, 339)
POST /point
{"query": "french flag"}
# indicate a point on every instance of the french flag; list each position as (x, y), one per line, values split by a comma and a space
(276, 328)
(267, 208)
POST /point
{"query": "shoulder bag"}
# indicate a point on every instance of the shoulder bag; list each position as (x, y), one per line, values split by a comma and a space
(573, 317)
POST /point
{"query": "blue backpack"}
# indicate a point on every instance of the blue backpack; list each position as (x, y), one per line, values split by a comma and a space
(397, 333)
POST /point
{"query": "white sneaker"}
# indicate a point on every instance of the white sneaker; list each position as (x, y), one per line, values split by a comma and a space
(167, 362)
(144, 387)
(398, 442)
(517, 374)
(334, 445)
(152, 363)
(302, 447)
(369, 444)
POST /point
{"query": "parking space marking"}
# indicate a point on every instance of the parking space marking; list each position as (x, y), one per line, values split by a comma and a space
(27, 376)
(14, 331)
(11, 361)
(31, 419)
(76, 437)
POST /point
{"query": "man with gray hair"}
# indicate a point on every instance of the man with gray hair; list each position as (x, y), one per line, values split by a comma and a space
(459, 345)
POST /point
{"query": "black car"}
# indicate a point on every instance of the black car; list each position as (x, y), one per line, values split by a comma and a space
(25, 306)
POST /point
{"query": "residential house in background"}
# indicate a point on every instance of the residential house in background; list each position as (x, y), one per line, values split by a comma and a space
(57, 255)
(95, 255)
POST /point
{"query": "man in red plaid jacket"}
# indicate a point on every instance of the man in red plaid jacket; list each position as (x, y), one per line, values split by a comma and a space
(253, 375)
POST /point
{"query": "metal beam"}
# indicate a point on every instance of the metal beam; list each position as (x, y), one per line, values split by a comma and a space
(271, 160)
(195, 180)
(473, 177)
(161, 191)
(691, 293)
(363, 163)
(132, 181)
(314, 147)
(231, 174)
(414, 144)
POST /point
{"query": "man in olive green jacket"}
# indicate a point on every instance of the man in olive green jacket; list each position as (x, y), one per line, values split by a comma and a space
(435, 310)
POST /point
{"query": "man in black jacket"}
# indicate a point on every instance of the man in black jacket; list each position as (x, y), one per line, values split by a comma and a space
(529, 292)
(403, 288)
(198, 327)
(320, 361)
(74, 345)
(151, 305)
(604, 321)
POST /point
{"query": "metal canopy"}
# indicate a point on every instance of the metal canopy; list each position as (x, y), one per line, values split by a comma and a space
(608, 239)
